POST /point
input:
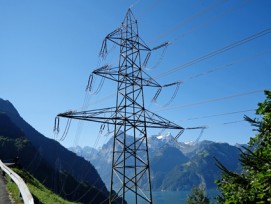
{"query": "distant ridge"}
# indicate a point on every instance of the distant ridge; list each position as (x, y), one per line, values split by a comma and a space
(175, 166)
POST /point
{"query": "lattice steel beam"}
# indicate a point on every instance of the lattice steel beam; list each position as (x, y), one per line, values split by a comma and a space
(130, 160)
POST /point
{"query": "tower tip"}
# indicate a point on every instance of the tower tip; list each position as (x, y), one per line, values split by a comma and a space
(129, 15)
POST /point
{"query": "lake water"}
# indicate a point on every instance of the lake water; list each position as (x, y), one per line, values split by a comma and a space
(171, 197)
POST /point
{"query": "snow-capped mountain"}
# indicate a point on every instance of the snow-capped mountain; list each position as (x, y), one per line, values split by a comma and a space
(174, 165)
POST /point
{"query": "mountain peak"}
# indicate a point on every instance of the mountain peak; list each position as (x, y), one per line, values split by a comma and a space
(7, 107)
(166, 136)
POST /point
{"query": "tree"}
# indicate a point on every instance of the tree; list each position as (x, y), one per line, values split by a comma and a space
(197, 196)
(253, 184)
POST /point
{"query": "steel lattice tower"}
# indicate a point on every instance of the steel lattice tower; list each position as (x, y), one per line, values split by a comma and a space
(130, 161)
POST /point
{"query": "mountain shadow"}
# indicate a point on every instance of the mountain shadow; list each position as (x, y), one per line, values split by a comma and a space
(66, 174)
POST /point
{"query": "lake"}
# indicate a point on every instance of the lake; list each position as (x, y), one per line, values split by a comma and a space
(171, 197)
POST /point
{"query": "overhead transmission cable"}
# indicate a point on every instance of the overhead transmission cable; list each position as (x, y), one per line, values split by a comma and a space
(219, 51)
(63, 183)
(227, 123)
(232, 122)
(213, 100)
(205, 10)
(225, 66)
(219, 114)
(190, 19)
(208, 21)
(205, 127)
(215, 115)
(78, 133)
(85, 104)
(207, 56)
(228, 65)
(200, 13)
(216, 52)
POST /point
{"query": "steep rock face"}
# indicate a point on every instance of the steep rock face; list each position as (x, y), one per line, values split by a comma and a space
(175, 165)
(46, 156)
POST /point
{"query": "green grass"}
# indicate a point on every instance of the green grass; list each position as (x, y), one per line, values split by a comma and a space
(40, 193)
(13, 190)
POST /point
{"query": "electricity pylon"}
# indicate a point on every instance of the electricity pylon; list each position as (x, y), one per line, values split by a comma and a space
(130, 162)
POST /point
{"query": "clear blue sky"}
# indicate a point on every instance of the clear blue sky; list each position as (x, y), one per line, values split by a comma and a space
(49, 48)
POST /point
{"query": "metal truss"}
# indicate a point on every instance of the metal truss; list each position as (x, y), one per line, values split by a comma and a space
(130, 171)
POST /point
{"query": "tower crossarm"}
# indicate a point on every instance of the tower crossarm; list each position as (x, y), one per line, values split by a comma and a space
(156, 121)
(97, 115)
(113, 73)
(116, 38)
(110, 116)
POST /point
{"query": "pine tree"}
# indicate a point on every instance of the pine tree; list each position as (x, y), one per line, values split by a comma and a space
(253, 185)
(197, 196)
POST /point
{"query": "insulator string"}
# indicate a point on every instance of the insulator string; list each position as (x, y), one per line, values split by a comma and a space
(160, 59)
(179, 134)
(146, 60)
(89, 85)
(174, 95)
(103, 51)
(56, 126)
(154, 99)
(177, 84)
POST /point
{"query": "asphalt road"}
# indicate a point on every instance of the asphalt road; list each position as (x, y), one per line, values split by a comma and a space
(4, 197)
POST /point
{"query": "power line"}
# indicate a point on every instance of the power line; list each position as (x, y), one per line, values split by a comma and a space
(228, 65)
(220, 114)
(191, 18)
(233, 122)
(214, 100)
(216, 52)
(213, 19)
(227, 123)
(225, 66)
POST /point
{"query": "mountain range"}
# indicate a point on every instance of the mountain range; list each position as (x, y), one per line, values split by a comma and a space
(61, 170)
(175, 166)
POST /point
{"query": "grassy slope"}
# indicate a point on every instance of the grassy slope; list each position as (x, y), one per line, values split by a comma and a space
(40, 193)
(13, 190)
